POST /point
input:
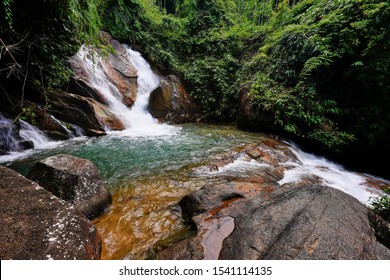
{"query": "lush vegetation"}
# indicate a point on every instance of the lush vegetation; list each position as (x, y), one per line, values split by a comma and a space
(381, 205)
(320, 68)
(37, 37)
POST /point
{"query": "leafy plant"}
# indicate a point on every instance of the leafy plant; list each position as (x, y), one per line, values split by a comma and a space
(7, 4)
(381, 205)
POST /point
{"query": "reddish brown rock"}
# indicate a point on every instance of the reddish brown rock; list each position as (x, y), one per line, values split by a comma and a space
(123, 76)
(85, 112)
(171, 102)
(37, 225)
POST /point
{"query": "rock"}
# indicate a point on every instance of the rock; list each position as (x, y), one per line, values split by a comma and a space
(381, 227)
(26, 145)
(250, 119)
(123, 76)
(256, 217)
(81, 87)
(73, 179)
(87, 113)
(117, 68)
(171, 102)
(37, 225)
(298, 222)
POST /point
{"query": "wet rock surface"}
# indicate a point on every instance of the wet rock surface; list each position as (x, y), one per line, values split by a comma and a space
(255, 216)
(73, 179)
(37, 225)
(86, 112)
(171, 102)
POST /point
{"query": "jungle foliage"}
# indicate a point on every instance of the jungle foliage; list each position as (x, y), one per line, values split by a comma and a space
(321, 68)
(37, 37)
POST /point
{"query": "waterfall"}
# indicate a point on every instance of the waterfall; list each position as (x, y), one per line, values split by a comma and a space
(20, 142)
(137, 120)
(99, 81)
(27, 137)
(331, 174)
(142, 122)
(8, 133)
(30, 133)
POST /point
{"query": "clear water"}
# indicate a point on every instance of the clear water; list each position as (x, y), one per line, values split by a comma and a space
(146, 176)
(122, 157)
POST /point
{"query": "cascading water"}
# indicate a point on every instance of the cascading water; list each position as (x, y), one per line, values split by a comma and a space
(331, 174)
(30, 133)
(8, 133)
(142, 122)
(137, 120)
(26, 137)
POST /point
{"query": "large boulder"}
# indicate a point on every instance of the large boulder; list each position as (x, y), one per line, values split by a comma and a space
(73, 179)
(37, 225)
(256, 216)
(171, 102)
(87, 113)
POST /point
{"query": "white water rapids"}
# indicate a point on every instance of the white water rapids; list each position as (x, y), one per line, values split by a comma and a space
(27, 132)
(332, 175)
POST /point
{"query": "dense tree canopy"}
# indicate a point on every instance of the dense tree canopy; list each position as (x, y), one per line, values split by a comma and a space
(319, 67)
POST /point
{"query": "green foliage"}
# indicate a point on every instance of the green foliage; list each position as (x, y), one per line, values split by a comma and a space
(381, 205)
(84, 18)
(7, 5)
(39, 38)
(213, 85)
(318, 78)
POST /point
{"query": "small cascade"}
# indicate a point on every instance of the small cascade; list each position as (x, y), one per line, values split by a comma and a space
(332, 175)
(137, 120)
(18, 141)
(14, 138)
(74, 131)
(8, 135)
(30, 133)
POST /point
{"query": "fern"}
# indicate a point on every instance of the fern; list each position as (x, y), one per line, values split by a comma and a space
(8, 12)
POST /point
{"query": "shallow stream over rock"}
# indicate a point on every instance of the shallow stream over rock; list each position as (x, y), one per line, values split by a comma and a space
(148, 175)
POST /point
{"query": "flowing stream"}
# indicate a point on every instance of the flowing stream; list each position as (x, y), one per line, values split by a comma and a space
(149, 166)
